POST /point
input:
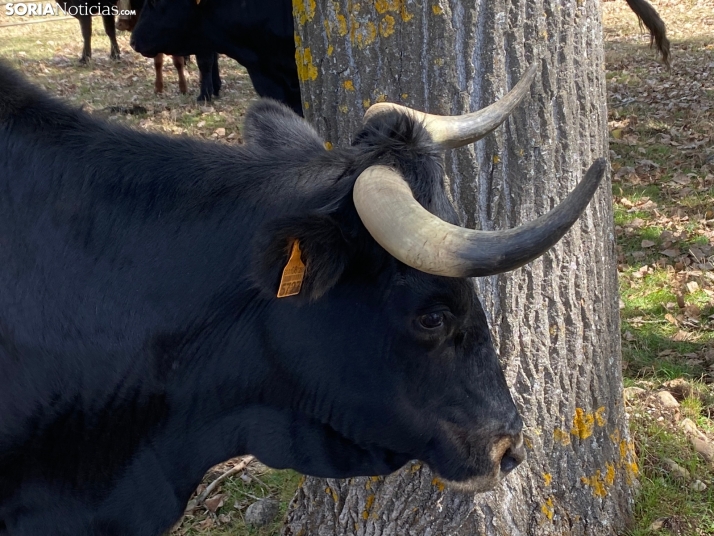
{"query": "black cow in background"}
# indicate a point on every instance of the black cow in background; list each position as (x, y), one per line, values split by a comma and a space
(210, 79)
(82, 10)
(256, 33)
(649, 17)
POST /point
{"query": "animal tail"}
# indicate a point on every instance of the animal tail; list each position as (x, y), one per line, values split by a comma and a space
(649, 17)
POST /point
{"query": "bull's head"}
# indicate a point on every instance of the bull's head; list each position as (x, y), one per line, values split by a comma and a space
(385, 355)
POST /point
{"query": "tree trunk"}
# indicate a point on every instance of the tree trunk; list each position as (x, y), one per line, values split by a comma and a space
(555, 321)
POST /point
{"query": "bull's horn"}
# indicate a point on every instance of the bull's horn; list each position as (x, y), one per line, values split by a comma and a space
(460, 130)
(416, 237)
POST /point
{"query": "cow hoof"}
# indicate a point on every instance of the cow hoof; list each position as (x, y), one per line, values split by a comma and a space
(203, 98)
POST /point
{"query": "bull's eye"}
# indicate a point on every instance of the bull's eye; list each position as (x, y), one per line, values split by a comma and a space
(432, 320)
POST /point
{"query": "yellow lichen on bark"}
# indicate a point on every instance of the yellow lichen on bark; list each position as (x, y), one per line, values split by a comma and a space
(341, 25)
(600, 416)
(628, 458)
(393, 6)
(561, 436)
(548, 508)
(596, 482)
(306, 69)
(365, 35)
(386, 26)
(547, 478)
(332, 493)
(406, 16)
(609, 474)
(438, 483)
(382, 6)
(368, 506)
(304, 10)
(583, 424)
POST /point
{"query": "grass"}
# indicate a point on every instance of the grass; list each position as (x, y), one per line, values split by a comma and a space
(238, 494)
(662, 496)
(663, 184)
(660, 123)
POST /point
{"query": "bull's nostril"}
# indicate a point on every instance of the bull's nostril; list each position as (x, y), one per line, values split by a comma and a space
(508, 462)
(514, 455)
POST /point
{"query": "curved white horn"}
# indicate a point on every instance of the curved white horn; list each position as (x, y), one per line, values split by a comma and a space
(386, 206)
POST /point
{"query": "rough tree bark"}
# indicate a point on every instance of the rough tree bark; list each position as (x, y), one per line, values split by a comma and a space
(555, 321)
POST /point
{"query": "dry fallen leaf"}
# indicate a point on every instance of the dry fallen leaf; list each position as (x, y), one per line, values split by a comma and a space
(215, 502)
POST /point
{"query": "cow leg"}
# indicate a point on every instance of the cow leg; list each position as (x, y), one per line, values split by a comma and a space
(85, 23)
(111, 32)
(274, 74)
(205, 68)
(180, 64)
(270, 80)
(215, 75)
(159, 68)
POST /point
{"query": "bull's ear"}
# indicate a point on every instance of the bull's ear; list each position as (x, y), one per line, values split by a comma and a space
(322, 250)
(272, 125)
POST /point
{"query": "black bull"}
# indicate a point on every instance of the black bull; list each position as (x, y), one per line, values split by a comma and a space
(257, 33)
(141, 339)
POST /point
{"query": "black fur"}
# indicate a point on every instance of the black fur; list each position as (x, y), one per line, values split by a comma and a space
(141, 340)
(649, 17)
(258, 34)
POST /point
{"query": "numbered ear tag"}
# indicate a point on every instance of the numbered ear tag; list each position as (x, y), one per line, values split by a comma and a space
(293, 274)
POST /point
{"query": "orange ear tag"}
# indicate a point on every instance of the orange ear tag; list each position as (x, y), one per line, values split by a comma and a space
(293, 274)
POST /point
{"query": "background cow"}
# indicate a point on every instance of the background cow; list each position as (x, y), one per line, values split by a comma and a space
(85, 23)
(210, 80)
(256, 33)
(142, 341)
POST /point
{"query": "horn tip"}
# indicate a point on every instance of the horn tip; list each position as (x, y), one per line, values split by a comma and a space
(597, 170)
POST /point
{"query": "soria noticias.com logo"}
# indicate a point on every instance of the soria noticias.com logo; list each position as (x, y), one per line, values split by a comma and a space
(50, 9)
